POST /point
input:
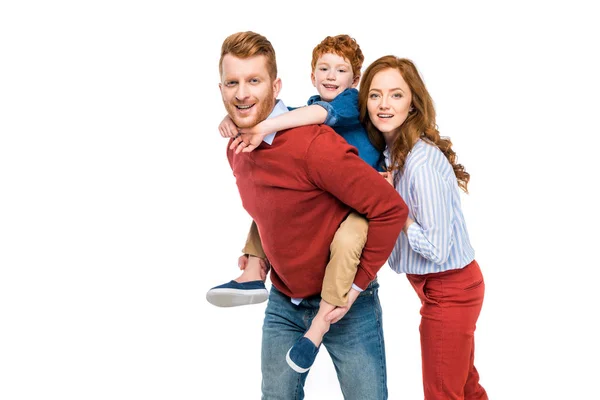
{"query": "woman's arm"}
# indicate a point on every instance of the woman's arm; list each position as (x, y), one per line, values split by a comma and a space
(430, 234)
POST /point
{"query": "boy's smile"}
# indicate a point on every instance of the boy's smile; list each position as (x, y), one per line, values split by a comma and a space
(332, 75)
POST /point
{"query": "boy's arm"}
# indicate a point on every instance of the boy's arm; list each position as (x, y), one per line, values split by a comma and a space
(227, 128)
(252, 137)
(341, 111)
(301, 116)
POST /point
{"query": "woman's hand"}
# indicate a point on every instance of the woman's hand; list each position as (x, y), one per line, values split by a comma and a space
(388, 176)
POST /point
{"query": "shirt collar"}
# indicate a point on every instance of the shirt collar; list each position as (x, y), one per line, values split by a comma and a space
(279, 109)
(386, 156)
(386, 153)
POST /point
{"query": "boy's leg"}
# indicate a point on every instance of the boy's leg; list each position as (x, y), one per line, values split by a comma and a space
(249, 287)
(283, 325)
(357, 348)
(346, 248)
(253, 247)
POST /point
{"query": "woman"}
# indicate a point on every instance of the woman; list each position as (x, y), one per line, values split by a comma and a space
(433, 249)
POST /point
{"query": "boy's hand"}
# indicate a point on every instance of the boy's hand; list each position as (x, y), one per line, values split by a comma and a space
(227, 128)
(249, 138)
(339, 312)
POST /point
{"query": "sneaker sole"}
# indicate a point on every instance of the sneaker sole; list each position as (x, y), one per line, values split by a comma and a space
(234, 298)
(293, 365)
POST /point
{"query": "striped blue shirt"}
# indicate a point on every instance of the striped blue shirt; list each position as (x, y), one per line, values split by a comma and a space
(438, 240)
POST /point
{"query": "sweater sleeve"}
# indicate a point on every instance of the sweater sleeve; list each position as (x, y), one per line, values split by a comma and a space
(334, 166)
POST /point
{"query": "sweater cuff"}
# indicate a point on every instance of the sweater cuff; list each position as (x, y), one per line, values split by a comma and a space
(361, 279)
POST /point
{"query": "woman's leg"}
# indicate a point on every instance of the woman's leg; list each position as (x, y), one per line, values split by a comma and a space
(451, 303)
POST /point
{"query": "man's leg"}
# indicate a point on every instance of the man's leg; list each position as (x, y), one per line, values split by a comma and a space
(357, 348)
(284, 324)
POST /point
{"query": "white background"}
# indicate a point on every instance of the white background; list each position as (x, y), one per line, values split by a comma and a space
(118, 209)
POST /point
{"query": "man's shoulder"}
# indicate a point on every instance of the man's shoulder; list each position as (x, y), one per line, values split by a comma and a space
(308, 136)
(309, 132)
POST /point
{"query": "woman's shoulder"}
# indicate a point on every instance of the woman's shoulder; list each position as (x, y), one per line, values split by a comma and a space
(424, 154)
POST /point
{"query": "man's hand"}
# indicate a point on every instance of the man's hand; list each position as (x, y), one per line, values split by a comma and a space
(227, 128)
(339, 312)
(264, 265)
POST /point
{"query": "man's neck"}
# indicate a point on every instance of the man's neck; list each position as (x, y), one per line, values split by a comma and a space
(278, 109)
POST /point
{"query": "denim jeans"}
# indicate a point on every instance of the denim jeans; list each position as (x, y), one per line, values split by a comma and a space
(354, 343)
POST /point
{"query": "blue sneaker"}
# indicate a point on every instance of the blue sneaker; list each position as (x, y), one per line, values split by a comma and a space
(301, 356)
(234, 294)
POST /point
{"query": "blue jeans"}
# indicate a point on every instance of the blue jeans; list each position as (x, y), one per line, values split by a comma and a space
(354, 343)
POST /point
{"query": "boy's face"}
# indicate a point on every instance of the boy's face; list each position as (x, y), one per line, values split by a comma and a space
(332, 75)
(247, 90)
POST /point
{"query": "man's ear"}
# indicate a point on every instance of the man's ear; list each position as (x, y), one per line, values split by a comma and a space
(276, 87)
(313, 79)
(355, 81)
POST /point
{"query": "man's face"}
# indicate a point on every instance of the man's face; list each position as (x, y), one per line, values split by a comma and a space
(248, 92)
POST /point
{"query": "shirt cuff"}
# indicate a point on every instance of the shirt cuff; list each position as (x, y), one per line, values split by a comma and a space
(356, 288)
(361, 279)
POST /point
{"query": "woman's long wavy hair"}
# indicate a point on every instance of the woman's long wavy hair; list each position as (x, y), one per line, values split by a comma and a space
(420, 123)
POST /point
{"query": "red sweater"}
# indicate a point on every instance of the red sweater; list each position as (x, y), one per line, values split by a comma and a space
(299, 190)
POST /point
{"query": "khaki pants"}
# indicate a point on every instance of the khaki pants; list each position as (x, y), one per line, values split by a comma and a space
(346, 248)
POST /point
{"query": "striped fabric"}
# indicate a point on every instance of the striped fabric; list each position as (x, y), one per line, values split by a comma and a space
(438, 240)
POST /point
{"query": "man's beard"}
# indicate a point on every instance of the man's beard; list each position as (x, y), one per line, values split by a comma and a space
(264, 109)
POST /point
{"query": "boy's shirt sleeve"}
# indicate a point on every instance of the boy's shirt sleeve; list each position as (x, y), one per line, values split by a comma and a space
(341, 111)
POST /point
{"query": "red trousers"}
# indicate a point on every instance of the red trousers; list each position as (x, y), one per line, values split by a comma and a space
(450, 305)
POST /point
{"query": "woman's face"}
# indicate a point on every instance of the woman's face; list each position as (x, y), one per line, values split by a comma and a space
(389, 100)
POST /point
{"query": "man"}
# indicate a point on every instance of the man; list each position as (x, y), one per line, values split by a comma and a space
(298, 186)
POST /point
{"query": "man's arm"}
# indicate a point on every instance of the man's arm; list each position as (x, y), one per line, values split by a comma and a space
(335, 167)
